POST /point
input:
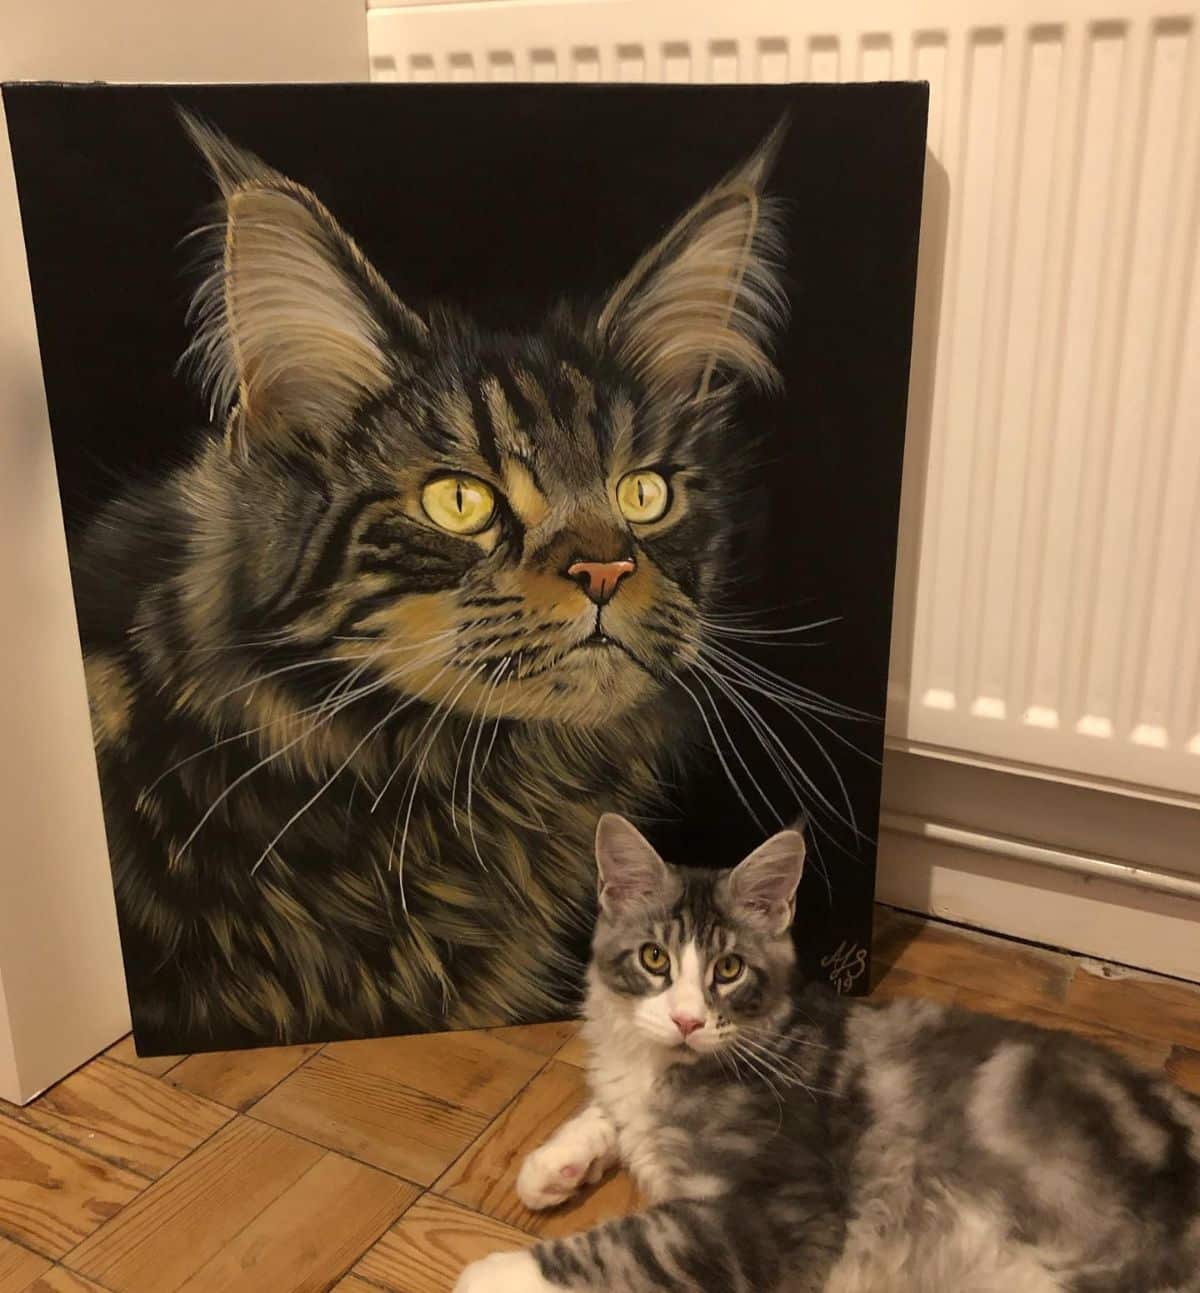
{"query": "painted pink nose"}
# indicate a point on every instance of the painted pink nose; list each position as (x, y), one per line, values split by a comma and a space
(686, 1024)
(599, 579)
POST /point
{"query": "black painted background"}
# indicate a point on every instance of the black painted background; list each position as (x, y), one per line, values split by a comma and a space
(505, 198)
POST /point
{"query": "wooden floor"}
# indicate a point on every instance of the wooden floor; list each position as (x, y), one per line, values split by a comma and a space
(387, 1165)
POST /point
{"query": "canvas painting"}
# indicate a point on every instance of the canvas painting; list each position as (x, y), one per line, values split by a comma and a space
(444, 467)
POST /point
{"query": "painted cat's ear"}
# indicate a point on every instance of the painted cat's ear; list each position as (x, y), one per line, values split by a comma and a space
(705, 303)
(763, 888)
(293, 328)
(631, 874)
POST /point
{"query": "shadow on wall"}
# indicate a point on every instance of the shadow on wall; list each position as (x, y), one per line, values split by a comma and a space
(931, 266)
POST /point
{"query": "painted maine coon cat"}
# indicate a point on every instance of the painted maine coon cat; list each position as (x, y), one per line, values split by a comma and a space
(364, 670)
(789, 1141)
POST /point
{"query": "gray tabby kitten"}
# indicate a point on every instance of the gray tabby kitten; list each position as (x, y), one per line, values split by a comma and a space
(791, 1141)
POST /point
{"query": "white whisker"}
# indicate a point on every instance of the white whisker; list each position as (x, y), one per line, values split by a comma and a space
(287, 668)
(712, 736)
(769, 679)
(402, 704)
(462, 745)
(415, 778)
(308, 803)
(776, 748)
(733, 745)
(392, 775)
(495, 728)
(499, 673)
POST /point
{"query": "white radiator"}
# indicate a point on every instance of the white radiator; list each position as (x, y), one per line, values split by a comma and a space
(1048, 609)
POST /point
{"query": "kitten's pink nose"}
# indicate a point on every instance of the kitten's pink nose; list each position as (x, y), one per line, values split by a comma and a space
(686, 1024)
(599, 579)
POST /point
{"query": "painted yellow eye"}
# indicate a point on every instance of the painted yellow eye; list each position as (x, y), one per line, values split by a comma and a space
(729, 969)
(460, 504)
(643, 496)
(654, 959)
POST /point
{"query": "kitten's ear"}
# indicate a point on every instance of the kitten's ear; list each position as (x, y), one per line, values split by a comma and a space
(706, 301)
(293, 327)
(631, 872)
(763, 887)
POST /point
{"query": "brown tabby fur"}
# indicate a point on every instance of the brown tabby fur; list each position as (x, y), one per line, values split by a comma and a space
(352, 763)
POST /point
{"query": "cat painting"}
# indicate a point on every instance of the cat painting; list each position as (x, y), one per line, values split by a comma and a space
(790, 1141)
(365, 667)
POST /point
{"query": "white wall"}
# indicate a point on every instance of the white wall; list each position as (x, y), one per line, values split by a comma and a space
(62, 992)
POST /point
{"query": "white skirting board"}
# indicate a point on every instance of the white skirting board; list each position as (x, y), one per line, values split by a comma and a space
(1113, 877)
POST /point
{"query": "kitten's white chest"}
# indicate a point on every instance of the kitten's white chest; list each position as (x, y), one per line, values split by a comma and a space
(627, 1084)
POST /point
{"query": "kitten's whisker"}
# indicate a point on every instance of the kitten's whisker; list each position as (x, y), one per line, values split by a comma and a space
(760, 1072)
(782, 1065)
(769, 1060)
(756, 1032)
(800, 1077)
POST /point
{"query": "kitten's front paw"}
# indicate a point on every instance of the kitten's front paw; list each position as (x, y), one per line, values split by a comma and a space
(504, 1273)
(550, 1175)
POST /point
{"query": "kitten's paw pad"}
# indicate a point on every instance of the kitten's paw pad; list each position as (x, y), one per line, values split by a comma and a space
(503, 1273)
(550, 1175)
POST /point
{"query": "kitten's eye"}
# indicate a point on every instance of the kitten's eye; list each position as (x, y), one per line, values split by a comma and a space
(654, 959)
(460, 504)
(729, 969)
(643, 496)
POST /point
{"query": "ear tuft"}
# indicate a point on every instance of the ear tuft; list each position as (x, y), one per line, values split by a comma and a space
(293, 328)
(631, 873)
(232, 166)
(762, 888)
(706, 301)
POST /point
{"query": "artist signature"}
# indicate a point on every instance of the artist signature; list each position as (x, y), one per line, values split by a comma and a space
(846, 965)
